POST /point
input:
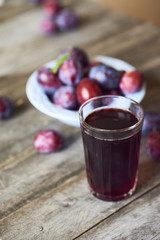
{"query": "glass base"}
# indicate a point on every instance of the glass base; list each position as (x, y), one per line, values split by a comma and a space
(111, 198)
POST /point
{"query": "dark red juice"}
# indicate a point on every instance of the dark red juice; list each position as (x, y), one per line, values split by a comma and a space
(111, 165)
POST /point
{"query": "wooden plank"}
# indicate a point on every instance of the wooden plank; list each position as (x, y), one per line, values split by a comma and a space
(39, 169)
(130, 41)
(25, 157)
(147, 10)
(109, 22)
(157, 237)
(29, 123)
(139, 220)
(70, 210)
(39, 193)
(42, 173)
(13, 8)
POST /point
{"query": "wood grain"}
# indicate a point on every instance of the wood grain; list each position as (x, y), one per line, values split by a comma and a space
(46, 196)
(140, 220)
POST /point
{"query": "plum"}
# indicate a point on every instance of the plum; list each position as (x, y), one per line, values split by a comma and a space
(131, 82)
(87, 89)
(66, 20)
(48, 141)
(106, 76)
(70, 72)
(153, 145)
(65, 96)
(6, 108)
(151, 122)
(115, 92)
(48, 80)
(48, 26)
(77, 53)
(51, 7)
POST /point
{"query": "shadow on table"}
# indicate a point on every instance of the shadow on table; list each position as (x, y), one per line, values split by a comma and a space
(148, 172)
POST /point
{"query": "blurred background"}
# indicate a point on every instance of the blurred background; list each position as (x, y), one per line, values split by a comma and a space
(148, 10)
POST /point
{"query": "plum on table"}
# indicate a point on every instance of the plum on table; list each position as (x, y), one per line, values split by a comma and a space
(66, 20)
(48, 141)
(48, 26)
(153, 145)
(51, 7)
(151, 122)
(6, 108)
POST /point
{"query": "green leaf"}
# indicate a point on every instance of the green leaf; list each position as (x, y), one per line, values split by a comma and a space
(59, 62)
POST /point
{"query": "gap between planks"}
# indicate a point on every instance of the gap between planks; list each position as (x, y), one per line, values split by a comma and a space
(118, 210)
(79, 174)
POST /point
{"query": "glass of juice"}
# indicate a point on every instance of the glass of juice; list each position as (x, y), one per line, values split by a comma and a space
(111, 132)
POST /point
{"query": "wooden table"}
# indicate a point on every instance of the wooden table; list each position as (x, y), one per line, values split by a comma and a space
(46, 196)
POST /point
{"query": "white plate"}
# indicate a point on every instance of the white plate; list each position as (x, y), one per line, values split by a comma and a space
(39, 100)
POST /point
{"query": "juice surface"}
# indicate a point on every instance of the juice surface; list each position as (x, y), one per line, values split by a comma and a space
(111, 119)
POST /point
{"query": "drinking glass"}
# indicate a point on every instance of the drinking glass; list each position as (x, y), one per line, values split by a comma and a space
(111, 153)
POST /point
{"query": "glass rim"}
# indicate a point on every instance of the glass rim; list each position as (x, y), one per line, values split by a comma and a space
(88, 126)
